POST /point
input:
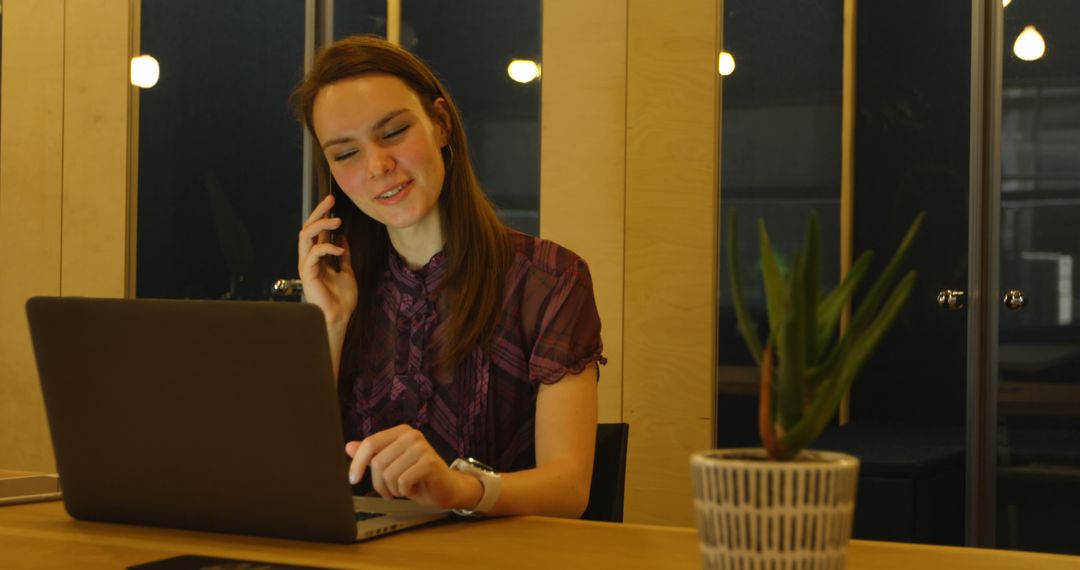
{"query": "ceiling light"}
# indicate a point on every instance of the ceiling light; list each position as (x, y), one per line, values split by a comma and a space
(1029, 45)
(145, 71)
(726, 63)
(523, 70)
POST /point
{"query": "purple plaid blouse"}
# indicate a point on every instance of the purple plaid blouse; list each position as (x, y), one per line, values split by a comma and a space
(549, 327)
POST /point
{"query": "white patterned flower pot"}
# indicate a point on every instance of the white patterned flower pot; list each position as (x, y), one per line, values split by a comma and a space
(757, 514)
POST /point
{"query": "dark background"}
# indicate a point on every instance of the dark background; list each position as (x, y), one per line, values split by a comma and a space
(220, 154)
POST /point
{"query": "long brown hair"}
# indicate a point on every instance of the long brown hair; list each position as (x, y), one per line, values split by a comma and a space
(469, 222)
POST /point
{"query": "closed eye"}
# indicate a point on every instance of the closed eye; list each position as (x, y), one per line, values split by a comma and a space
(342, 156)
(396, 132)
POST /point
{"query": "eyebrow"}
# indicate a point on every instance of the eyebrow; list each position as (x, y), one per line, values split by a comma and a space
(378, 125)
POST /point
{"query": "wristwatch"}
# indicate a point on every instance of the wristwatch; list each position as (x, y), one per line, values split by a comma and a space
(489, 480)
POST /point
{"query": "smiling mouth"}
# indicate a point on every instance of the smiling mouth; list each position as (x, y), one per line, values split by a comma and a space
(394, 191)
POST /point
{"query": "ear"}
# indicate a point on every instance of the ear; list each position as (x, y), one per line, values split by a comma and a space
(441, 116)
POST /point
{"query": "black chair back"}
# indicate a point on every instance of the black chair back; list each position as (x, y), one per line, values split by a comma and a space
(609, 474)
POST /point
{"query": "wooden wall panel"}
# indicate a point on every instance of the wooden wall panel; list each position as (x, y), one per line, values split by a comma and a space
(63, 185)
(671, 252)
(96, 88)
(31, 159)
(582, 158)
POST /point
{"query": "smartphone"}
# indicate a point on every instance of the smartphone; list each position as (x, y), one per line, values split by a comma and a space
(333, 261)
(334, 236)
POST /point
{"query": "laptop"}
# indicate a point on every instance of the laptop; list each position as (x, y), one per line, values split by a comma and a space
(218, 416)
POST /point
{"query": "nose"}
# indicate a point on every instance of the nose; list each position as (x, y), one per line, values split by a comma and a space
(380, 162)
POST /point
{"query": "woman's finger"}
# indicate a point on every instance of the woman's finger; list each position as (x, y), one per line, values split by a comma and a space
(315, 233)
(345, 263)
(378, 483)
(401, 448)
(363, 452)
(321, 209)
(411, 482)
(401, 456)
(362, 462)
(310, 262)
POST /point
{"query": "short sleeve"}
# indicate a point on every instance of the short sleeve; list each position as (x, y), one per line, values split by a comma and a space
(568, 328)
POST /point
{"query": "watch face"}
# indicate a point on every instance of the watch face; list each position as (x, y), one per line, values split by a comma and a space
(479, 465)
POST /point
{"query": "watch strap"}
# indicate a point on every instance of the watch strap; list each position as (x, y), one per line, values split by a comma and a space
(489, 481)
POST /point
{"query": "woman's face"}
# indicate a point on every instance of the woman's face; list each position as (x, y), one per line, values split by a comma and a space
(384, 149)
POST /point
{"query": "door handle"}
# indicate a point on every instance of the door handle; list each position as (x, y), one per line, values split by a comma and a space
(1014, 300)
(951, 300)
(287, 289)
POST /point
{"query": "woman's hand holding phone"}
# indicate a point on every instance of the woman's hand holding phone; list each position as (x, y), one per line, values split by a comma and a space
(332, 289)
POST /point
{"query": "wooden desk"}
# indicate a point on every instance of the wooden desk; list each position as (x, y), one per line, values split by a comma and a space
(10, 473)
(41, 535)
(22, 487)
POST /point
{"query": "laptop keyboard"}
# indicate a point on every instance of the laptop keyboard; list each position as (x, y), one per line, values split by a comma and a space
(363, 516)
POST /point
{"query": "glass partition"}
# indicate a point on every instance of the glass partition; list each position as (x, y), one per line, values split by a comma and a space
(1038, 476)
(780, 159)
(219, 153)
(470, 47)
(908, 420)
(914, 138)
(220, 156)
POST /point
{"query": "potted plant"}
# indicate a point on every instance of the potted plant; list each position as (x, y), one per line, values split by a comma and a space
(783, 504)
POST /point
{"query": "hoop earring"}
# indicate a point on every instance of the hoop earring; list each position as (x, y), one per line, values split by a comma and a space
(450, 149)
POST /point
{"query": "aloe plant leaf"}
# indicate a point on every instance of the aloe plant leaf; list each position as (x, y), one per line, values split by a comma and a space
(842, 352)
(829, 309)
(775, 301)
(776, 294)
(790, 387)
(869, 305)
(833, 387)
(812, 285)
(799, 392)
(765, 405)
(747, 327)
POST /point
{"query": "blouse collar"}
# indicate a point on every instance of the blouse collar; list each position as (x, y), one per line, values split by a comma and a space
(426, 279)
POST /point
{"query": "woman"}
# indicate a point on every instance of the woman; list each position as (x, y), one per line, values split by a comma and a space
(466, 353)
